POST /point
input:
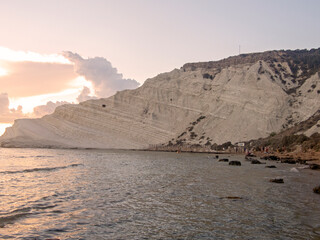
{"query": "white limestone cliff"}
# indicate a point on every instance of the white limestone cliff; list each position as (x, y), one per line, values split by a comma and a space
(196, 105)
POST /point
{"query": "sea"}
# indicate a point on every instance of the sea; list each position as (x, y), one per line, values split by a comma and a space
(117, 194)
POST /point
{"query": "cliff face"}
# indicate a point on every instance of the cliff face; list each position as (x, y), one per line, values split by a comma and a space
(236, 99)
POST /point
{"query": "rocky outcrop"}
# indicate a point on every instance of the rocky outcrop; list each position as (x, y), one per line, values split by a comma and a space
(238, 99)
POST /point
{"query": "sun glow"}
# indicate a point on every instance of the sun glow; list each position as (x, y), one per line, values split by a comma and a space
(69, 95)
(3, 72)
(7, 54)
(82, 82)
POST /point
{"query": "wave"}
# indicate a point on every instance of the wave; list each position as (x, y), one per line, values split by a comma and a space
(12, 218)
(37, 156)
(15, 215)
(43, 156)
(46, 169)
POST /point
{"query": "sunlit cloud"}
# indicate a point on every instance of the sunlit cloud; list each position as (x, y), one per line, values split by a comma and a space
(105, 79)
(3, 127)
(7, 114)
(29, 103)
(22, 56)
(46, 109)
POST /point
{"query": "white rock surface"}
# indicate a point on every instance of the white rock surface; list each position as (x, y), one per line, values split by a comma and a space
(241, 102)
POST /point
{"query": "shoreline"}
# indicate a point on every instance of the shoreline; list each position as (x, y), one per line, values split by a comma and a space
(305, 158)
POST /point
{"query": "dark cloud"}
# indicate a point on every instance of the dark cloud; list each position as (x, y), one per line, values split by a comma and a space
(36, 78)
(105, 79)
(8, 115)
(49, 108)
(84, 95)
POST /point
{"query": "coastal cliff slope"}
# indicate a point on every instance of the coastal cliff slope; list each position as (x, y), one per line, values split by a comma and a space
(236, 99)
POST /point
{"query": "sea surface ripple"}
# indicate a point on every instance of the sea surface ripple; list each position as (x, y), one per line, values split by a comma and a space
(109, 194)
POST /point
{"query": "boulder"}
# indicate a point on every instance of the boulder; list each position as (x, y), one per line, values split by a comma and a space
(277, 180)
(232, 197)
(271, 157)
(251, 155)
(288, 160)
(224, 160)
(255, 161)
(314, 166)
(271, 166)
(316, 189)
(235, 163)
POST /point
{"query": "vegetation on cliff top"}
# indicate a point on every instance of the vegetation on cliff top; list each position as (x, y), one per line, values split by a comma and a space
(290, 138)
(303, 59)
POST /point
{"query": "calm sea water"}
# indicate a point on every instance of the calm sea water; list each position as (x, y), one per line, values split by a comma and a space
(95, 194)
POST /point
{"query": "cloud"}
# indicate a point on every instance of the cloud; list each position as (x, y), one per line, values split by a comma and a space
(52, 80)
(8, 54)
(8, 115)
(49, 108)
(35, 78)
(105, 79)
(84, 95)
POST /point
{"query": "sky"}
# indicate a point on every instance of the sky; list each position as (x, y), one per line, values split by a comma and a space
(57, 52)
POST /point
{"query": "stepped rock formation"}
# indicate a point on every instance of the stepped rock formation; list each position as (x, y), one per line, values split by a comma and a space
(235, 99)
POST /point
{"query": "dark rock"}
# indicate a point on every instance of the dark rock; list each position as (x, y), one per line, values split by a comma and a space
(316, 189)
(271, 157)
(232, 197)
(277, 180)
(224, 160)
(251, 155)
(255, 161)
(272, 166)
(301, 161)
(314, 166)
(235, 163)
(217, 156)
(288, 160)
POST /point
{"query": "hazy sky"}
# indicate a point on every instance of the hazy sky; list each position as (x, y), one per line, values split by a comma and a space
(130, 40)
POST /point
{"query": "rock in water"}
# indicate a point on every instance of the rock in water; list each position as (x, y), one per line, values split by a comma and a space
(277, 180)
(235, 163)
(317, 189)
(232, 198)
(314, 166)
(272, 166)
(271, 157)
(288, 160)
(224, 160)
(254, 161)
